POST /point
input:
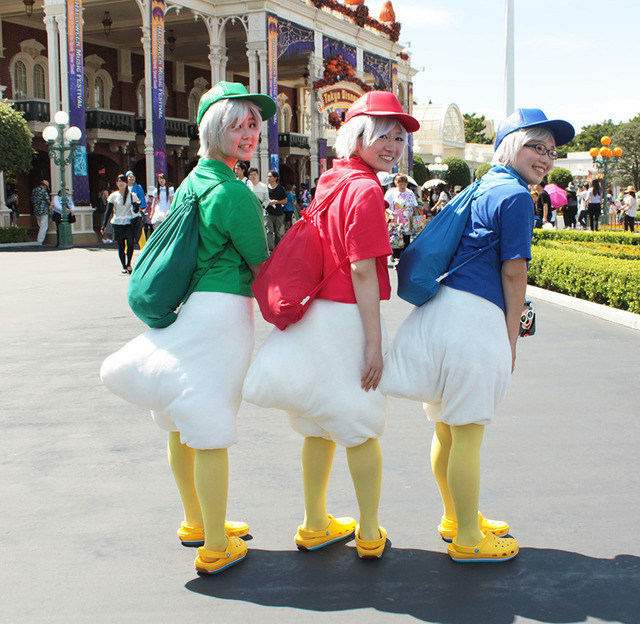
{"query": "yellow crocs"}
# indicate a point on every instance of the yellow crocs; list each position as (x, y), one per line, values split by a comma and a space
(371, 549)
(490, 549)
(194, 536)
(338, 529)
(448, 529)
(212, 562)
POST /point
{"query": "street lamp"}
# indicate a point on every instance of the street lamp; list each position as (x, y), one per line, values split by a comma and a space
(60, 140)
(606, 160)
(438, 169)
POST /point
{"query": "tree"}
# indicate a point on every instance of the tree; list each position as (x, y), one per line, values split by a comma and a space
(458, 173)
(481, 170)
(590, 137)
(420, 173)
(561, 177)
(16, 154)
(474, 129)
(627, 137)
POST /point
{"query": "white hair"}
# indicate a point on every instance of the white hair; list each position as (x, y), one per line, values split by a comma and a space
(511, 144)
(362, 131)
(219, 118)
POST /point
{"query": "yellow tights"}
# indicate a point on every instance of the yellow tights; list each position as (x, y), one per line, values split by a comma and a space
(202, 477)
(365, 465)
(455, 460)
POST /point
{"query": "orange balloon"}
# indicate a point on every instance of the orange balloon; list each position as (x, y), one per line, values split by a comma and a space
(605, 140)
(617, 152)
(593, 152)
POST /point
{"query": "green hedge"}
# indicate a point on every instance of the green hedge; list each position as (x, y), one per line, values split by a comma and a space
(602, 236)
(610, 281)
(13, 235)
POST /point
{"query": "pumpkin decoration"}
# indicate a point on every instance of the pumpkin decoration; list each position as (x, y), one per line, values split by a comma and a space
(387, 14)
(353, 2)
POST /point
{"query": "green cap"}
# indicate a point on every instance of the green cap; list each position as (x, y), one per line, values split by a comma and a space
(235, 91)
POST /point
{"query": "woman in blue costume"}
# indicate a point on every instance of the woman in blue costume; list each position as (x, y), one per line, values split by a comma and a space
(456, 353)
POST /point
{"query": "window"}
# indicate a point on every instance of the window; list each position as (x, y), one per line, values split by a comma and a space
(38, 82)
(20, 81)
(99, 93)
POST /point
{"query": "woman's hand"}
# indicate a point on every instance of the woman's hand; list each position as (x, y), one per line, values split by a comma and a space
(373, 366)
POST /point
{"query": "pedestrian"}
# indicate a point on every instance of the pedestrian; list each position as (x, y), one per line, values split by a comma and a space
(41, 207)
(594, 200)
(543, 209)
(583, 194)
(630, 208)
(571, 209)
(56, 215)
(138, 222)
(460, 369)
(123, 207)
(305, 196)
(192, 371)
(161, 203)
(240, 169)
(12, 205)
(260, 189)
(402, 205)
(289, 207)
(337, 348)
(275, 209)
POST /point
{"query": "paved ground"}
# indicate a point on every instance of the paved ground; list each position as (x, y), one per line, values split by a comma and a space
(90, 510)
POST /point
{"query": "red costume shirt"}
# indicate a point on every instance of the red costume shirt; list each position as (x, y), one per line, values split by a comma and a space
(353, 225)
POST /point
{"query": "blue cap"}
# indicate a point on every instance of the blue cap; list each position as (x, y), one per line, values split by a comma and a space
(129, 173)
(562, 130)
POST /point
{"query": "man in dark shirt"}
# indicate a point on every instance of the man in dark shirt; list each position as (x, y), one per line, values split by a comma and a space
(275, 210)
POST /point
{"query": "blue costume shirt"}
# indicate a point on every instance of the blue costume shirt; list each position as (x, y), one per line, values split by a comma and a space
(503, 212)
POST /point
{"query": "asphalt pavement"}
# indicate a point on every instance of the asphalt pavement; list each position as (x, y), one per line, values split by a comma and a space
(90, 509)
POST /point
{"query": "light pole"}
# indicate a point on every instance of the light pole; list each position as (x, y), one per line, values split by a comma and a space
(606, 160)
(61, 140)
(438, 169)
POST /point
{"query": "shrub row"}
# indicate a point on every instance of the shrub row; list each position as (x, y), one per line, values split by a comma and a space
(602, 236)
(610, 281)
(610, 250)
(13, 235)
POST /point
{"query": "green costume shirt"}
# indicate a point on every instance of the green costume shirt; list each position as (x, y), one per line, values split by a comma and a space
(230, 218)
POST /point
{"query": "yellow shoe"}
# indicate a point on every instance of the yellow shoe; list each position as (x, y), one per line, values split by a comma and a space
(194, 536)
(371, 549)
(448, 529)
(338, 529)
(212, 562)
(490, 549)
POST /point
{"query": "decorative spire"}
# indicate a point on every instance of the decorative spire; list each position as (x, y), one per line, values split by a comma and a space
(387, 14)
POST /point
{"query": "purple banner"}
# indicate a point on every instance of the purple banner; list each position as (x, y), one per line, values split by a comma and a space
(272, 64)
(80, 169)
(157, 72)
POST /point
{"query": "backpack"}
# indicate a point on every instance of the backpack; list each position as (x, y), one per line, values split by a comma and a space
(425, 262)
(160, 280)
(292, 276)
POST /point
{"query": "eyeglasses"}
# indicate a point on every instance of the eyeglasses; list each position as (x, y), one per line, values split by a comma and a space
(543, 150)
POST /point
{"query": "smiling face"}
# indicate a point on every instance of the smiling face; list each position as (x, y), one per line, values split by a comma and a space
(385, 152)
(531, 166)
(240, 141)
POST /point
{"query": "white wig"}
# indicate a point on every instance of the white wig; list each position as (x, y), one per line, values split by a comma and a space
(362, 131)
(511, 144)
(219, 118)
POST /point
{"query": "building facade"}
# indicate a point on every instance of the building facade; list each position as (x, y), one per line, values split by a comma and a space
(131, 73)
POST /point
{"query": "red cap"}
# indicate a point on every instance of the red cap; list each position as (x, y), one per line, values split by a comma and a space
(381, 104)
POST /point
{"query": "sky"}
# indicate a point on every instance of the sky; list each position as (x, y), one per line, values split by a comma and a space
(577, 60)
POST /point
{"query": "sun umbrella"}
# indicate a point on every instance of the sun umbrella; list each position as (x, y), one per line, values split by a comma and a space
(385, 178)
(432, 183)
(558, 195)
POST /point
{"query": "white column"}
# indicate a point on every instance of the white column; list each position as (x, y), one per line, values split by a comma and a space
(263, 148)
(54, 84)
(509, 59)
(215, 63)
(64, 87)
(148, 103)
(254, 88)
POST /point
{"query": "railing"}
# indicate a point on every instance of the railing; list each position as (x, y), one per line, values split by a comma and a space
(291, 139)
(116, 121)
(177, 127)
(34, 110)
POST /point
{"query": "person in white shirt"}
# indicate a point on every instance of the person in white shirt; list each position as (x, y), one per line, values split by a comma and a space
(56, 205)
(630, 208)
(260, 189)
(240, 169)
(161, 203)
(583, 194)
